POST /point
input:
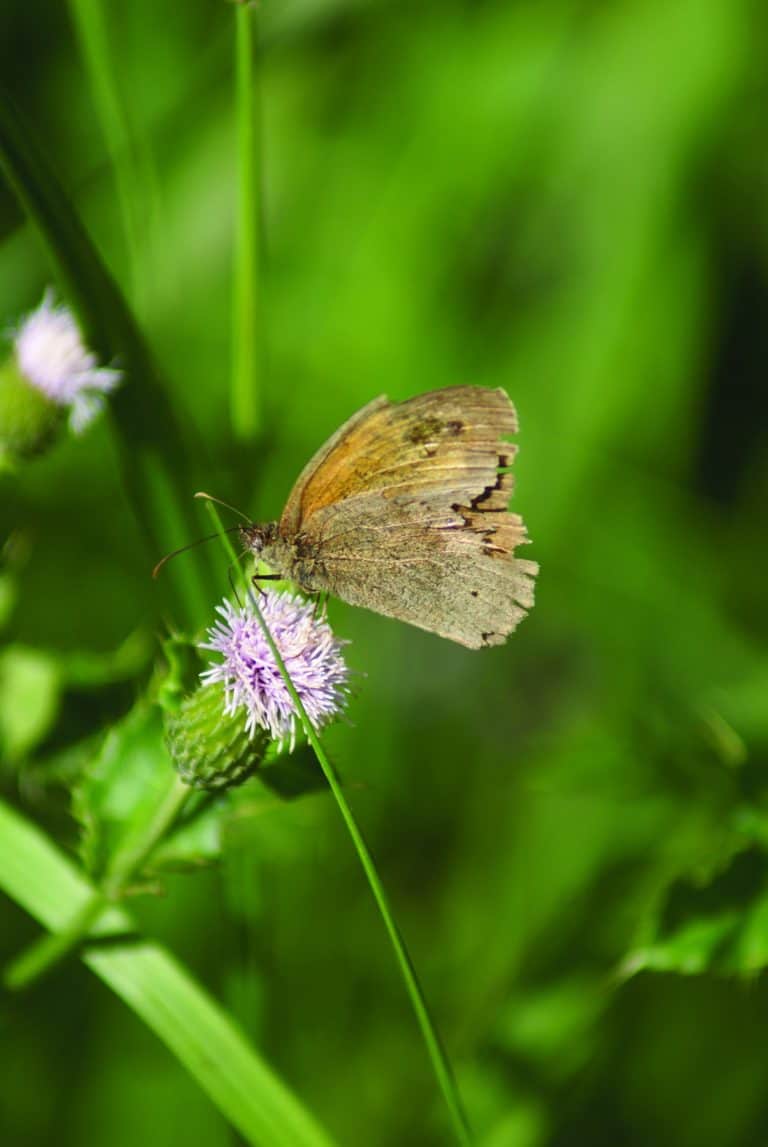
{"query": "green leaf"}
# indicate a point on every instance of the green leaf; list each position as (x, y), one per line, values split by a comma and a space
(120, 790)
(33, 681)
(30, 691)
(86, 669)
(291, 775)
(553, 1026)
(8, 596)
(161, 993)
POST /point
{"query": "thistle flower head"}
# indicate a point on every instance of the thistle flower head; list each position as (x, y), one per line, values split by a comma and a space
(53, 358)
(250, 675)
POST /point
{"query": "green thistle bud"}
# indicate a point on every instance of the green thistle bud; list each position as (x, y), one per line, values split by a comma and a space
(29, 420)
(209, 747)
(51, 378)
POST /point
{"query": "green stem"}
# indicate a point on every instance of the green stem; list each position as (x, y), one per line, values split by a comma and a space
(44, 954)
(90, 26)
(131, 861)
(435, 1049)
(245, 405)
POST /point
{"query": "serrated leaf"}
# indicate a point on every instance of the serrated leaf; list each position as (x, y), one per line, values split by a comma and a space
(718, 927)
(30, 691)
(742, 705)
(196, 841)
(122, 787)
(64, 766)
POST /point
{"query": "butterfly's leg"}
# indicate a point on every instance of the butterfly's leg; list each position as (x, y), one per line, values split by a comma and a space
(255, 579)
(232, 585)
(265, 577)
(321, 599)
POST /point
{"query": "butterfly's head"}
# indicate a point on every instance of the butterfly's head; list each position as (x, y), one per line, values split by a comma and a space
(256, 538)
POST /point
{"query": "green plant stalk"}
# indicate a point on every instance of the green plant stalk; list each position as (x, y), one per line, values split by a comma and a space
(89, 21)
(155, 461)
(245, 381)
(435, 1049)
(159, 991)
(44, 954)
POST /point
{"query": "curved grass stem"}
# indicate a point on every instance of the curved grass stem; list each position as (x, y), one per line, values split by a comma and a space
(437, 1054)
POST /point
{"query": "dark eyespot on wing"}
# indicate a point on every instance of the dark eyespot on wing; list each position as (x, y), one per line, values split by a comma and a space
(423, 431)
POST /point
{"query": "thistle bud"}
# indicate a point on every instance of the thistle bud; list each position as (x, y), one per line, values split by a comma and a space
(209, 746)
(50, 378)
(29, 420)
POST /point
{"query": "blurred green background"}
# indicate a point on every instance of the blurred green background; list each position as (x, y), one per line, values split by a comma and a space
(569, 200)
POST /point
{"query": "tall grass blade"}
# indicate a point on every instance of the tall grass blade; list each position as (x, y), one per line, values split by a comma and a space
(246, 355)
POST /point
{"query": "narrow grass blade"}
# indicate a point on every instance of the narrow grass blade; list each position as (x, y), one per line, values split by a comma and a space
(245, 383)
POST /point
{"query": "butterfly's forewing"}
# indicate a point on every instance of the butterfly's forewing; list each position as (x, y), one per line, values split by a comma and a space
(404, 510)
(328, 463)
(445, 440)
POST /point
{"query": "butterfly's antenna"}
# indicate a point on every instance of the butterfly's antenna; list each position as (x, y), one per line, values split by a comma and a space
(189, 546)
(226, 505)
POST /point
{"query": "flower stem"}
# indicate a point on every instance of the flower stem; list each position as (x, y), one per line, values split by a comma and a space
(435, 1049)
(44, 954)
(244, 394)
(130, 862)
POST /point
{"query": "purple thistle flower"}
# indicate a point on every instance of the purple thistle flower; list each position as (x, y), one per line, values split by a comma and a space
(52, 356)
(249, 672)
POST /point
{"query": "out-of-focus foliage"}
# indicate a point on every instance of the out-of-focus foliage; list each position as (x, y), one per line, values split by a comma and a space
(119, 790)
(567, 200)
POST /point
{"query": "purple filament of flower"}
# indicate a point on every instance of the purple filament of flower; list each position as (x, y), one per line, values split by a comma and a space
(250, 674)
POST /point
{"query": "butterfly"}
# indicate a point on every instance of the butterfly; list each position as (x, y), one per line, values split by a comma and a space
(404, 511)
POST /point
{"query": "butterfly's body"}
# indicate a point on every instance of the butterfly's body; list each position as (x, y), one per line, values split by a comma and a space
(288, 557)
(403, 511)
